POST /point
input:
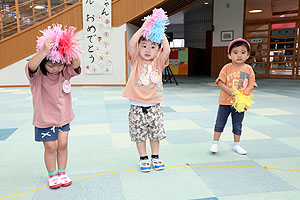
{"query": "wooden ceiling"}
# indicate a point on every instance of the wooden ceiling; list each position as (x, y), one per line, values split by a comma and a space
(170, 6)
(271, 9)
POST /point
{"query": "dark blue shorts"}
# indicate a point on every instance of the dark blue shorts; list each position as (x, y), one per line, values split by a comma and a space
(50, 133)
(236, 118)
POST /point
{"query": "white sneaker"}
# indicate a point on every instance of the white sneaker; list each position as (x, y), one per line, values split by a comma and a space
(239, 150)
(214, 148)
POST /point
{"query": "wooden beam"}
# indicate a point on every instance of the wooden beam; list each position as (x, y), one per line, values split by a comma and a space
(33, 12)
(49, 8)
(17, 16)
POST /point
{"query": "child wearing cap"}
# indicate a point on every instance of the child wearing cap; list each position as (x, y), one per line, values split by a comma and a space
(234, 75)
(49, 73)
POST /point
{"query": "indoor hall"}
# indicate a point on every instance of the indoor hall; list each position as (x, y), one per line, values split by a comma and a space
(102, 161)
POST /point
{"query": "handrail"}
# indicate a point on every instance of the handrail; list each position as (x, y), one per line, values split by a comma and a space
(10, 24)
(20, 5)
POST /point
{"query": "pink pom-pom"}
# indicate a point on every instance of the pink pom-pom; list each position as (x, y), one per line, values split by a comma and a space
(68, 45)
(54, 33)
(65, 44)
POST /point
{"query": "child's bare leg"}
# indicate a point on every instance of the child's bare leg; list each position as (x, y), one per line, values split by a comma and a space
(62, 157)
(154, 147)
(50, 155)
(217, 136)
(236, 138)
(62, 150)
(141, 146)
(156, 162)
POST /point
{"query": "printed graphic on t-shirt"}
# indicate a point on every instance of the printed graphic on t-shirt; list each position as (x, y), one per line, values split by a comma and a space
(149, 79)
(238, 80)
(145, 78)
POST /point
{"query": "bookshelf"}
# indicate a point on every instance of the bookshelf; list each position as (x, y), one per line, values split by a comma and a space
(258, 36)
(273, 49)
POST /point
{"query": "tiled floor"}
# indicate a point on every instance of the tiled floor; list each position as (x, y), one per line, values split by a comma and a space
(103, 162)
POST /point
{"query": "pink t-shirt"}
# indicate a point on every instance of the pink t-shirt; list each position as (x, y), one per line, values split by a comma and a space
(51, 105)
(235, 77)
(145, 81)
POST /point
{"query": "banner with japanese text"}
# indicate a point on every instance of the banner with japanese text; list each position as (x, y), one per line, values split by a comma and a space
(97, 32)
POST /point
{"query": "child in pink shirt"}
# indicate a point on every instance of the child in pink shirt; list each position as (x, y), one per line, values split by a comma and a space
(52, 104)
(144, 91)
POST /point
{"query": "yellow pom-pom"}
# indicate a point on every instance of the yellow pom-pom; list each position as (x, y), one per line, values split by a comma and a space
(242, 100)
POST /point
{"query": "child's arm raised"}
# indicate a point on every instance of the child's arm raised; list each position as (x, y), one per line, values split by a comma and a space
(36, 60)
(134, 40)
(225, 88)
(165, 48)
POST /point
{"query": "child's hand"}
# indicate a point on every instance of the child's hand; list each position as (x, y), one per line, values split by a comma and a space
(47, 45)
(232, 92)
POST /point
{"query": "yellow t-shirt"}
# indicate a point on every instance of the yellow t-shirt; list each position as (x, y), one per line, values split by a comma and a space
(145, 80)
(235, 77)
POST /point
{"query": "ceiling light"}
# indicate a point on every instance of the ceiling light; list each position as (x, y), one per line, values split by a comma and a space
(255, 11)
(39, 7)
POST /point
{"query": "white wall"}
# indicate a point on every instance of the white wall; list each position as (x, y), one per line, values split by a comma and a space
(15, 73)
(228, 15)
(131, 29)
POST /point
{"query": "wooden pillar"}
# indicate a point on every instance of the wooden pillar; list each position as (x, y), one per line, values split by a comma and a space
(17, 15)
(49, 8)
(33, 12)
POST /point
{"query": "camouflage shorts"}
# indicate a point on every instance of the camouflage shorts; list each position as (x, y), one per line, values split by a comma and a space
(146, 122)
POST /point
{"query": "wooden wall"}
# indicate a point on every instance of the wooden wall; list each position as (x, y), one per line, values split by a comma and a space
(21, 45)
(126, 10)
(218, 59)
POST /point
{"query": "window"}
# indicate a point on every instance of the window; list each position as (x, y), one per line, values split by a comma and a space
(177, 43)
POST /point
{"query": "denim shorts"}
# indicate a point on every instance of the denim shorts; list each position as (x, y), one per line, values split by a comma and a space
(237, 119)
(50, 133)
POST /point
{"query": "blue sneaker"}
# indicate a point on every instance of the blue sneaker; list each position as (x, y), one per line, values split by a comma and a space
(145, 166)
(157, 164)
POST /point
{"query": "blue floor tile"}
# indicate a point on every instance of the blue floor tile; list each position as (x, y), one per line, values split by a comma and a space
(5, 133)
(223, 180)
